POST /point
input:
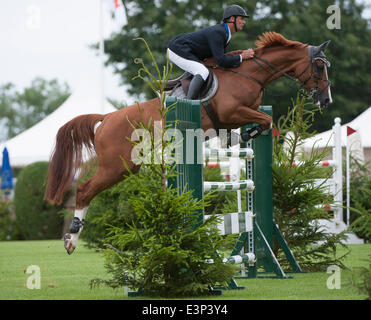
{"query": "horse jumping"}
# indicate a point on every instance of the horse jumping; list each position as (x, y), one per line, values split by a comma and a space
(235, 104)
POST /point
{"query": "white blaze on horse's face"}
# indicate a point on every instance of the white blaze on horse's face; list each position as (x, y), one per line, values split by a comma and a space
(325, 97)
(328, 88)
(328, 91)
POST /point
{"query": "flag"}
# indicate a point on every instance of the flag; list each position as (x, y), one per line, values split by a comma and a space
(350, 131)
(118, 3)
(113, 4)
(275, 132)
(354, 145)
(118, 15)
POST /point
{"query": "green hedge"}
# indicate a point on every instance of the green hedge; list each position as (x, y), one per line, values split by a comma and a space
(8, 228)
(36, 219)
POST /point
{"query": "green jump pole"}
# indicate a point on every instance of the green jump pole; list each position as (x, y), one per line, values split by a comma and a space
(185, 116)
(265, 229)
(263, 197)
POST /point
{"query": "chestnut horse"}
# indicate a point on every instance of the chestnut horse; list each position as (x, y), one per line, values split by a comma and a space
(235, 103)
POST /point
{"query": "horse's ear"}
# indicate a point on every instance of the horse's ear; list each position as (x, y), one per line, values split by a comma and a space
(322, 47)
(325, 45)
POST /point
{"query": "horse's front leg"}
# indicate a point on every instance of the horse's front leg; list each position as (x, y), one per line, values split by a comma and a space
(246, 115)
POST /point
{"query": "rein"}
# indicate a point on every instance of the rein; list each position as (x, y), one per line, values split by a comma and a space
(236, 72)
(285, 74)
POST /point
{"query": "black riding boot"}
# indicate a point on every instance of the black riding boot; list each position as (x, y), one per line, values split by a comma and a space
(194, 87)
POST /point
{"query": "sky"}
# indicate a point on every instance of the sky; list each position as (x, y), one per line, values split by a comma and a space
(51, 38)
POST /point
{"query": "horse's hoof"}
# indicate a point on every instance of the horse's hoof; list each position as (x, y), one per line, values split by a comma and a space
(68, 243)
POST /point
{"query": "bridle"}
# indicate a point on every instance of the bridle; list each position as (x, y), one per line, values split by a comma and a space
(314, 53)
(303, 87)
(315, 73)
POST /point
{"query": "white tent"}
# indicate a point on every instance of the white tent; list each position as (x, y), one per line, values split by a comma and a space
(37, 142)
(360, 124)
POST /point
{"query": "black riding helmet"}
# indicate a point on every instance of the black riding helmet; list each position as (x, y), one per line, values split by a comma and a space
(234, 11)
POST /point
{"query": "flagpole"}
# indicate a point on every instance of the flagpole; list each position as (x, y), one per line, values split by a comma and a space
(338, 175)
(347, 178)
(101, 56)
(350, 131)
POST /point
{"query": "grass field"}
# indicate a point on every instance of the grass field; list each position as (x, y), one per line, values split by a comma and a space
(65, 277)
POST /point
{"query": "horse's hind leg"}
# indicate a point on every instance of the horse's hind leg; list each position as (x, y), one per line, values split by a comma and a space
(102, 180)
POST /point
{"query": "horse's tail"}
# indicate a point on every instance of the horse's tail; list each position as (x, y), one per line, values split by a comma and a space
(67, 155)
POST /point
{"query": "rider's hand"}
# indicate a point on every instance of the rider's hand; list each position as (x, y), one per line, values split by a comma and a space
(247, 54)
(231, 53)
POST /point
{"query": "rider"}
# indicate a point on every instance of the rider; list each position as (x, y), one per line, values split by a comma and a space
(188, 51)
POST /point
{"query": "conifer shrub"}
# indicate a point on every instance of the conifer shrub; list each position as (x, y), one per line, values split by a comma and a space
(360, 278)
(113, 208)
(163, 252)
(360, 191)
(360, 195)
(299, 202)
(109, 208)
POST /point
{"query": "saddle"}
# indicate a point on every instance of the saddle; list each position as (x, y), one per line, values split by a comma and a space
(179, 87)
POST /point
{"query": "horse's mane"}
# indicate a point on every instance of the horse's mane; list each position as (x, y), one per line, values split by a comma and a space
(270, 39)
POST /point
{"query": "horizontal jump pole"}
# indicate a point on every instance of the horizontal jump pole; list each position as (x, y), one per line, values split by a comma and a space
(236, 222)
(247, 185)
(245, 153)
(222, 164)
(248, 257)
(241, 258)
(324, 163)
(327, 206)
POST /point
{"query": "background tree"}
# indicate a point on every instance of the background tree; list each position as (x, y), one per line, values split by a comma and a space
(20, 110)
(302, 20)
